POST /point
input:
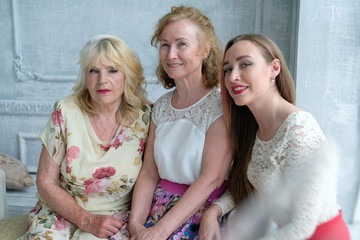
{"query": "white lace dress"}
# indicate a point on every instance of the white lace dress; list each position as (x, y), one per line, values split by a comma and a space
(180, 136)
(294, 177)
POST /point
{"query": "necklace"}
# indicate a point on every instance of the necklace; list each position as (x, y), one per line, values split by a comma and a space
(113, 130)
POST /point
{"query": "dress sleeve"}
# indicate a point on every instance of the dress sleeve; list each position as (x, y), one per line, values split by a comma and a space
(306, 169)
(226, 203)
(53, 137)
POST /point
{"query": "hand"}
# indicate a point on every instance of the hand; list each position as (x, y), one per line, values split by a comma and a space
(209, 225)
(102, 226)
(151, 233)
(135, 229)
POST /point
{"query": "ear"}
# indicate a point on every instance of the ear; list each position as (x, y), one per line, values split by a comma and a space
(207, 50)
(275, 68)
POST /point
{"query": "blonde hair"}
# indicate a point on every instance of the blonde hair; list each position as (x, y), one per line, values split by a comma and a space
(212, 65)
(113, 51)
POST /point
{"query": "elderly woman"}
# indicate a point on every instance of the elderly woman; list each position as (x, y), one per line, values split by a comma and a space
(92, 147)
(188, 150)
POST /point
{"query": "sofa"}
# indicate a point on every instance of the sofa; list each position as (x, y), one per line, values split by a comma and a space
(13, 227)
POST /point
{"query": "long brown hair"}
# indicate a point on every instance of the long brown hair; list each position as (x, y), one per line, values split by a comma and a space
(212, 65)
(241, 122)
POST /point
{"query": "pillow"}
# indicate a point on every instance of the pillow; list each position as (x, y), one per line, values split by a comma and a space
(17, 175)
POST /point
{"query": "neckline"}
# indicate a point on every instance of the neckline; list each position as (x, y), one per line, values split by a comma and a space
(291, 115)
(93, 132)
(194, 104)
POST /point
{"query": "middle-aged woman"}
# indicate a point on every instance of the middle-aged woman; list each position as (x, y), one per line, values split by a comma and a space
(188, 150)
(280, 151)
(92, 148)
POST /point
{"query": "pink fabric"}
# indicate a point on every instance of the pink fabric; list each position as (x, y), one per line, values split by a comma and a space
(181, 188)
(334, 229)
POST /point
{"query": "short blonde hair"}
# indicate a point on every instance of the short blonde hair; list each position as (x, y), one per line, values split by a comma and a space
(113, 51)
(212, 65)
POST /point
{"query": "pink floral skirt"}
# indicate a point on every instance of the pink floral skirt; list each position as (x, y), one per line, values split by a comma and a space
(166, 195)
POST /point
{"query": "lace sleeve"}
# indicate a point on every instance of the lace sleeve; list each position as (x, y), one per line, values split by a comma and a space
(226, 203)
(307, 170)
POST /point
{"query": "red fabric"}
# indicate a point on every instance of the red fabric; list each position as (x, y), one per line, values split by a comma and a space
(181, 188)
(334, 229)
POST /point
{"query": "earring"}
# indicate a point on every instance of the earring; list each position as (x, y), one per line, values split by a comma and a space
(273, 80)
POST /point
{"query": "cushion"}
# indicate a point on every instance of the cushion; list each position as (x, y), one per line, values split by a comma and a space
(17, 175)
(12, 228)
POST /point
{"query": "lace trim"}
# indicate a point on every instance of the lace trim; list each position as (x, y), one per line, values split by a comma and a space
(202, 114)
(226, 203)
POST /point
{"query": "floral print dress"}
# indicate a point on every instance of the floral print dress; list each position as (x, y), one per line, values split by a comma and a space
(98, 175)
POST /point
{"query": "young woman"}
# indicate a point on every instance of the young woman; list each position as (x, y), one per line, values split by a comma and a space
(275, 143)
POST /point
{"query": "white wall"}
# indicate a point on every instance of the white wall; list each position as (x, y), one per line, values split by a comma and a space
(41, 40)
(328, 85)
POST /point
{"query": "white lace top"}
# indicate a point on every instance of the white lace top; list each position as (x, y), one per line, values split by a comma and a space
(295, 177)
(180, 135)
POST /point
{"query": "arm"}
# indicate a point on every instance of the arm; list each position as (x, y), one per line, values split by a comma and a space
(215, 163)
(48, 185)
(144, 188)
(209, 226)
(308, 174)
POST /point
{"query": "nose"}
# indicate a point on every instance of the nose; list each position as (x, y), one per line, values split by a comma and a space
(172, 52)
(102, 77)
(234, 76)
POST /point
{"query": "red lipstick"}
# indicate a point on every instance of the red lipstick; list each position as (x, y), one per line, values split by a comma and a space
(103, 91)
(238, 89)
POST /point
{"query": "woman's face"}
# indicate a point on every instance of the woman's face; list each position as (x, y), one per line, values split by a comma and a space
(180, 51)
(105, 84)
(247, 74)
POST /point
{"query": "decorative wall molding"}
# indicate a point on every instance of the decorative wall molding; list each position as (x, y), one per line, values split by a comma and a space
(24, 139)
(22, 73)
(8, 107)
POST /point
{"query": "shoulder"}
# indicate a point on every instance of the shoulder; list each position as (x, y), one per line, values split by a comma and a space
(67, 107)
(145, 113)
(302, 120)
(302, 129)
(213, 102)
(147, 107)
(215, 95)
(214, 98)
(69, 102)
(163, 100)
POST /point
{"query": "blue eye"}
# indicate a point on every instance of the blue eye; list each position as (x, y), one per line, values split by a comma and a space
(113, 71)
(245, 65)
(93, 71)
(182, 44)
(164, 45)
(227, 70)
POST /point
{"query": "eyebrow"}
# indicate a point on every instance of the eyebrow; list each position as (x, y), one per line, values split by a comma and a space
(178, 39)
(238, 59)
(106, 67)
